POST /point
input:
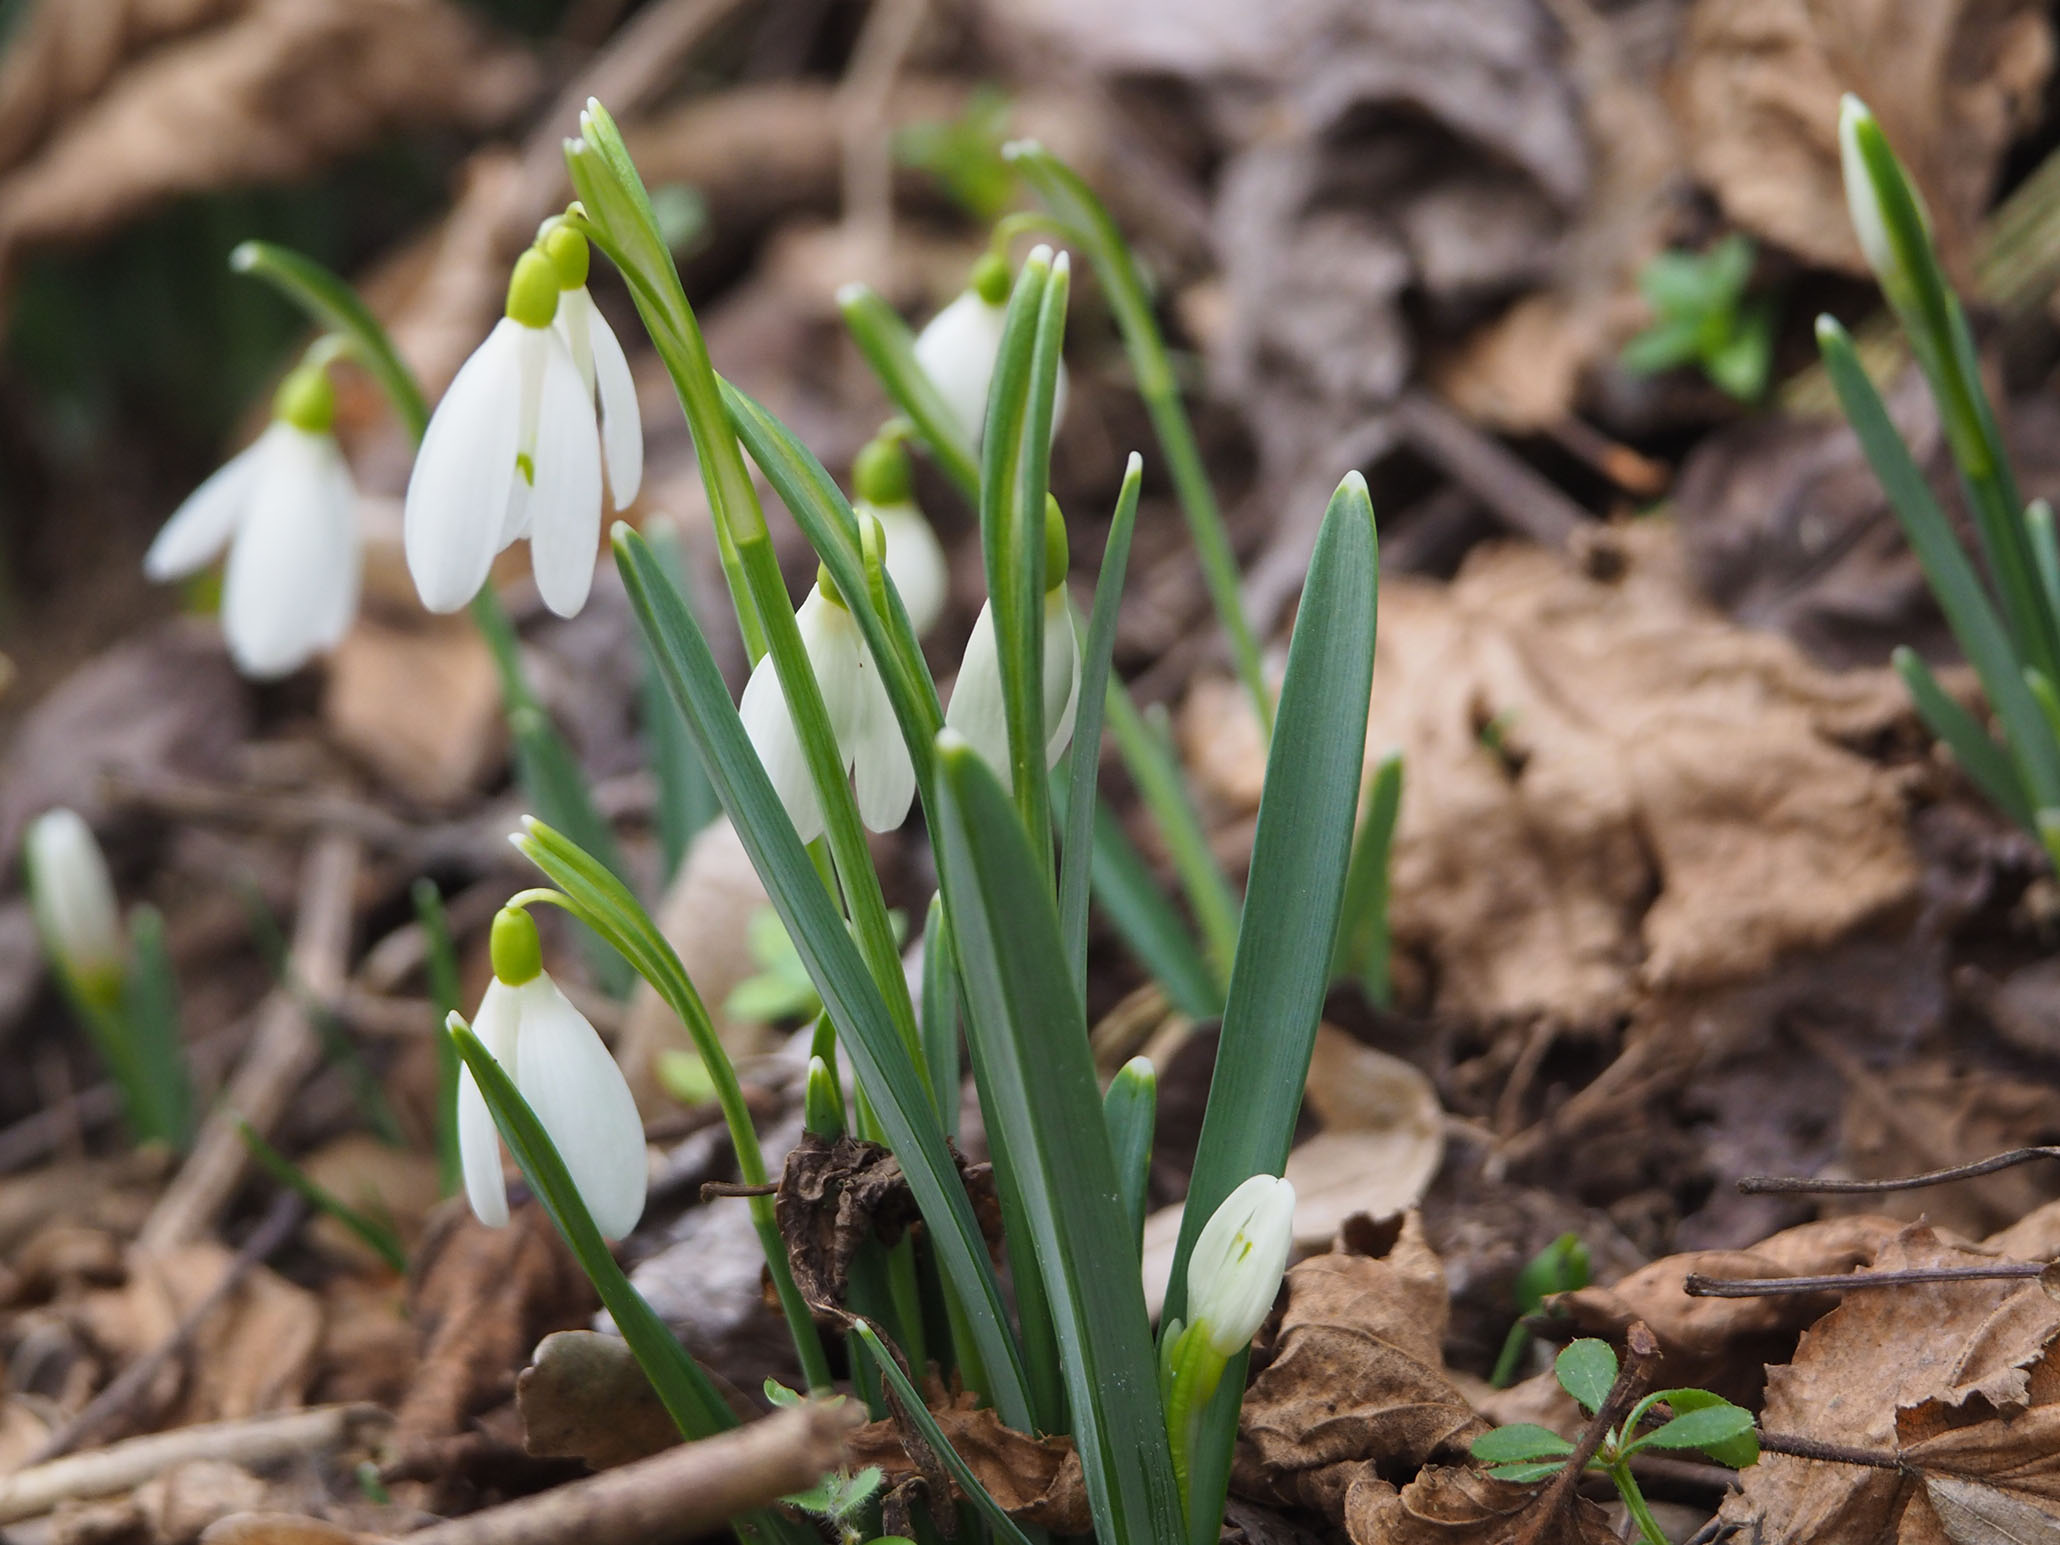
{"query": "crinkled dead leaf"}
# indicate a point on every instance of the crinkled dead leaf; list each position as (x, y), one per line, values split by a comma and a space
(420, 705)
(1757, 88)
(1722, 1343)
(835, 1195)
(1357, 1377)
(1959, 1377)
(1461, 1505)
(1037, 1481)
(231, 96)
(1578, 826)
(584, 1397)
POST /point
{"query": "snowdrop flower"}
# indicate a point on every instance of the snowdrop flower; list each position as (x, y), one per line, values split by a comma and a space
(957, 348)
(569, 1079)
(868, 736)
(1857, 134)
(73, 898)
(915, 561)
(1234, 1270)
(977, 710)
(511, 450)
(602, 364)
(286, 510)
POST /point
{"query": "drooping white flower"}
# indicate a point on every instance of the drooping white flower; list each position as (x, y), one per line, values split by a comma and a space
(73, 898)
(958, 346)
(977, 709)
(602, 364)
(861, 716)
(286, 509)
(1234, 1270)
(568, 1077)
(882, 489)
(511, 451)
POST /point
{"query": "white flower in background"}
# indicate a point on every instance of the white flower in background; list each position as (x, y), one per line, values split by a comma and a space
(73, 898)
(602, 364)
(958, 346)
(915, 561)
(868, 736)
(1234, 1270)
(286, 509)
(569, 1079)
(977, 710)
(511, 451)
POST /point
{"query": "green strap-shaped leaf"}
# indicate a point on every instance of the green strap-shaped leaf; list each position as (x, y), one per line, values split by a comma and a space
(1299, 854)
(888, 346)
(1362, 947)
(1029, 1035)
(1987, 763)
(1097, 647)
(900, 1100)
(1946, 567)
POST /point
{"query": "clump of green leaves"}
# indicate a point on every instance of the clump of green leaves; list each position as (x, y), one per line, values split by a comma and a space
(1560, 1267)
(964, 154)
(1704, 317)
(1587, 1369)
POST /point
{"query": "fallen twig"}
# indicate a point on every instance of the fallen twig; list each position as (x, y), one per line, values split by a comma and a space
(1804, 1185)
(1696, 1285)
(252, 1441)
(680, 1493)
(129, 1385)
(284, 1051)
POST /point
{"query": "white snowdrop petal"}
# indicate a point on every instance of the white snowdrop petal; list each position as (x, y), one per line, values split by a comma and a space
(1234, 1270)
(915, 561)
(458, 492)
(73, 894)
(830, 635)
(202, 526)
(573, 1084)
(575, 323)
(479, 1141)
(771, 728)
(565, 521)
(533, 350)
(278, 592)
(343, 549)
(622, 425)
(1061, 675)
(882, 775)
(976, 710)
(957, 350)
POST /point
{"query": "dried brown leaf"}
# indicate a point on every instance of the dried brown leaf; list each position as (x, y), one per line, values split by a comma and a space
(1610, 840)
(262, 97)
(1757, 93)
(1036, 1480)
(420, 706)
(584, 1397)
(1358, 1375)
(1461, 1505)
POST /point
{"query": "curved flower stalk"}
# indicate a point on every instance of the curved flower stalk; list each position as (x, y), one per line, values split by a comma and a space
(511, 450)
(881, 483)
(286, 509)
(958, 346)
(569, 1079)
(72, 895)
(977, 709)
(861, 717)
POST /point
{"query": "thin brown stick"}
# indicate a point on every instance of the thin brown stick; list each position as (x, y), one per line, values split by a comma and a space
(1800, 1447)
(678, 1494)
(253, 1441)
(284, 1051)
(1805, 1185)
(1696, 1285)
(128, 1387)
(1641, 1352)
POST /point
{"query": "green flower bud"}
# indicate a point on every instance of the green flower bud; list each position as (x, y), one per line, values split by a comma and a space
(568, 251)
(1056, 553)
(517, 952)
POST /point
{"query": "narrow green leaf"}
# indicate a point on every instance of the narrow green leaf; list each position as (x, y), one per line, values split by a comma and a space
(1029, 1034)
(150, 1019)
(940, 1016)
(685, 801)
(1098, 644)
(919, 1415)
(1985, 762)
(897, 1090)
(1951, 576)
(1525, 1474)
(382, 1240)
(1162, 786)
(1129, 1110)
(1586, 1369)
(1362, 943)
(1523, 1440)
(888, 346)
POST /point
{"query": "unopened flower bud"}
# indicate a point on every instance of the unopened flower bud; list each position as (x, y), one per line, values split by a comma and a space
(74, 902)
(1235, 1268)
